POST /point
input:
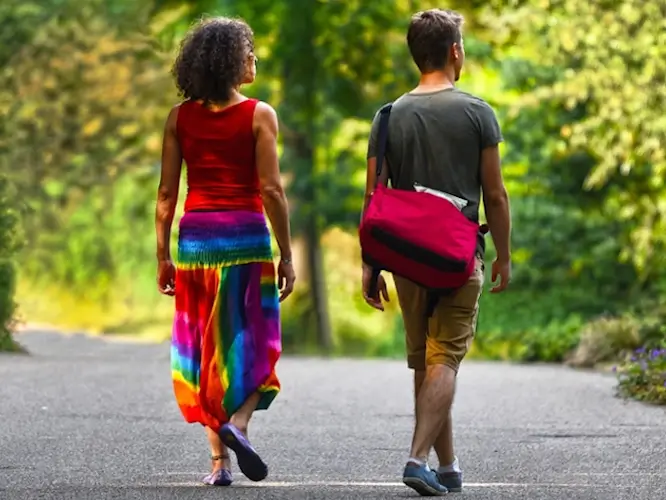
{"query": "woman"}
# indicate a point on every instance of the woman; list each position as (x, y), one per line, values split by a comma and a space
(226, 334)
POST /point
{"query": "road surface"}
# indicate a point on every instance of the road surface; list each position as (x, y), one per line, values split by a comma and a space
(84, 418)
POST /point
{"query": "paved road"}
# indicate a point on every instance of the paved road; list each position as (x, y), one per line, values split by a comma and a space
(90, 419)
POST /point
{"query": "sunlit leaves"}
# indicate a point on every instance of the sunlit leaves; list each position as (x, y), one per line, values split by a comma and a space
(80, 102)
(71, 81)
(611, 57)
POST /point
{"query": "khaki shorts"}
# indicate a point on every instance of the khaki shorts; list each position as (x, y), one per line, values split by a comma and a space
(445, 337)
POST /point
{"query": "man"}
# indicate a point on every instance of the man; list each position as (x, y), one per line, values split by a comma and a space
(446, 140)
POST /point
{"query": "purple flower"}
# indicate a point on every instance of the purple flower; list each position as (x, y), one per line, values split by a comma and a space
(614, 369)
(657, 353)
(640, 350)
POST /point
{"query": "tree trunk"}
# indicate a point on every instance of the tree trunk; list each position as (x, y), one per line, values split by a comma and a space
(300, 112)
(303, 156)
(318, 286)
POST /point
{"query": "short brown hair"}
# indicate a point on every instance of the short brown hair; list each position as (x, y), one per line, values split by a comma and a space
(430, 37)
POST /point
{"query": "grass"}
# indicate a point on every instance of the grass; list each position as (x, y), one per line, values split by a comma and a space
(514, 326)
(8, 344)
(358, 331)
(136, 308)
(149, 319)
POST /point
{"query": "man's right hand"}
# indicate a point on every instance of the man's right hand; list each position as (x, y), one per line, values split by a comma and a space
(501, 269)
(381, 293)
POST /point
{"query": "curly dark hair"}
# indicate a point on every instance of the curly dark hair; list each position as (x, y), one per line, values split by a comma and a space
(212, 59)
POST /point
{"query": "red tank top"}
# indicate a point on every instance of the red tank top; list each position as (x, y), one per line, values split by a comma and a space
(219, 150)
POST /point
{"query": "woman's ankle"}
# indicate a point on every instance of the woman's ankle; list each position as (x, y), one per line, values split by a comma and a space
(240, 423)
(220, 461)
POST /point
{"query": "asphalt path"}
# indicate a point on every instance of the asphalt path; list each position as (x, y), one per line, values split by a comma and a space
(85, 418)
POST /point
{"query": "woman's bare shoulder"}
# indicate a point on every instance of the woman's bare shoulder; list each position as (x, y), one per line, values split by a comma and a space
(264, 113)
(172, 118)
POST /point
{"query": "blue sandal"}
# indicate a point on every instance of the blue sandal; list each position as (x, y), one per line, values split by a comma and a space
(249, 461)
(221, 477)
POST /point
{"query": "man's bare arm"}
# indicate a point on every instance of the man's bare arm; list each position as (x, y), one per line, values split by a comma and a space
(496, 202)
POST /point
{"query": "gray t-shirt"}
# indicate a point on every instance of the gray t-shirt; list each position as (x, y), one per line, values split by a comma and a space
(435, 140)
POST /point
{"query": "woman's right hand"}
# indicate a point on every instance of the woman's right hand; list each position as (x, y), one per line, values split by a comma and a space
(166, 277)
(286, 278)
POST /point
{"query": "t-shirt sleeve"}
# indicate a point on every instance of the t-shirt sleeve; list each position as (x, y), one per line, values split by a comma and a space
(491, 134)
(372, 141)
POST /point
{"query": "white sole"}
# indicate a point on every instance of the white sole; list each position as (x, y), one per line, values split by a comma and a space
(423, 488)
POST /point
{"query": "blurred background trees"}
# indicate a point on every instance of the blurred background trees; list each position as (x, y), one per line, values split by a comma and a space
(579, 89)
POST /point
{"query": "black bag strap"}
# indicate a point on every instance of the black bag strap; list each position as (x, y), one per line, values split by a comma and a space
(382, 139)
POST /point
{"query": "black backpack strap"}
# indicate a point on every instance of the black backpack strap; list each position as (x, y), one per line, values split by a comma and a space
(382, 139)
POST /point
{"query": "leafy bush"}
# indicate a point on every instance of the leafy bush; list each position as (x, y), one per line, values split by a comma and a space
(549, 343)
(8, 248)
(643, 375)
(605, 339)
(652, 323)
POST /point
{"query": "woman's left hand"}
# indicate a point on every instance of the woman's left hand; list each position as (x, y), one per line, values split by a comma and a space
(166, 277)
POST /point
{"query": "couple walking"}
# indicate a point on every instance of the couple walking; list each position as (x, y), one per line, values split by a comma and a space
(226, 334)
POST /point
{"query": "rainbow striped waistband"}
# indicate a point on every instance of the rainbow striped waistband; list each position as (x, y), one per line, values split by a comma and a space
(221, 239)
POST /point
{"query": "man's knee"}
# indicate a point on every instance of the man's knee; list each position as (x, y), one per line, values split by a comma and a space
(441, 379)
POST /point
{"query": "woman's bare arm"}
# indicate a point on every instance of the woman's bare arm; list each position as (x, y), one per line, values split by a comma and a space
(272, 192)
(167, 192)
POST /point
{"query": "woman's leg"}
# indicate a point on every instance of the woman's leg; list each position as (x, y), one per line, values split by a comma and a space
(234, 435)
(255, 323)
(241, 419)
(221, 474)
(218, 452)
(251, 343)
(198, 392)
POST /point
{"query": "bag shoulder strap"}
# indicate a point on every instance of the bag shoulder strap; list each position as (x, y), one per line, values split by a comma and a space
(382, 138)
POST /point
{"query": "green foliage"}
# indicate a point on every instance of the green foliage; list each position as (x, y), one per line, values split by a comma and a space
(550, 342)
(585, 244)
(605, 339)
(82, 155)
(8, 249)
(643, 375)
(577, 87)
(612, 65)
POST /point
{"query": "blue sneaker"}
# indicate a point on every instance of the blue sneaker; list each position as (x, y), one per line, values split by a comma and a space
(423, 480)
(453, 481)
